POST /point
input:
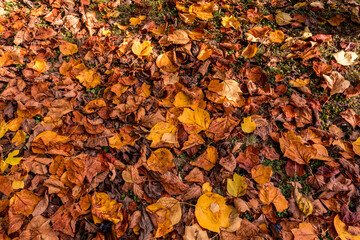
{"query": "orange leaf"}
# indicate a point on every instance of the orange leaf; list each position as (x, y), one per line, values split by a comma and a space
(207, 160)
(249, 51)
(277, 36)
(67, 48)
(261, 174)
(105, 208)
(161, 160)
(304, 232)
(89, 78)
(23, 203)
(269, 194)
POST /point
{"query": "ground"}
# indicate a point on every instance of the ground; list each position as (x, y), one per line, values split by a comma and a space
(179, 119)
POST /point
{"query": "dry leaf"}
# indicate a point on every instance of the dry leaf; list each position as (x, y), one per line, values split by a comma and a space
(160, 160)
(236, 186)
(346, 58)
(212, 212)
(336, 82)
(261, 174)
(269, 194)
(248, 126)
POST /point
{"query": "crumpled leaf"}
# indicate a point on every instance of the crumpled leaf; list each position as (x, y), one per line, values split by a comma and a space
(248, 126)
(11, 159)
(261, 174)
(167, 212)
(336, 82)
(141, 49)
(48, 140)
(203, 10)
(293, 147)
(212, 212)
(204, 53)
(89, 78)
(304, 232)
(195, 121)
(105, 208)
(346, 58)
(230, 22)
(167, 62)
(303, 203)
(236, 186)
(124, 137)
(67, 48)
(161, 160)
(269, 194)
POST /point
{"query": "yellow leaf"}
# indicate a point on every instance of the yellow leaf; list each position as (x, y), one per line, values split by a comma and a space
(67, 48)
(105, 208)
(195, 121)
(141, 49)
(212, 212)
(17, 184)
(269, 194)
(3, 166)
(300, 82)
(236, 186)
(3, 128)
(14, 124)
(161, 160)
(38, 65)
(206, 187)
(230, 22)
(19, 138)
(166, 63)
(205, 52)
(163, 134)
(261, 174)
(276, 36)
(248, 126)
(303, 202)
(123, 138)
(167, 212)
(11, 159)
(342, 230)
(88, 78)
(249, 51)
(203, 11)
(356, 146)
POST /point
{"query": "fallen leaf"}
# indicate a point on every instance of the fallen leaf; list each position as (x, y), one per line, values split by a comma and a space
(304, 232)
(67, 48)
(3, 128)
(336, 82)
(236, 186)
(346, 58)
(249, 51)
(207, 160)
(141, 49)
(195, 232)
(261, 174)
(230, 22)
(276, 37)
(161, 160)
(336, 20)
(282, 18)
(248, 126)
(105, 208)
(195, 121)
(89, 78)
(303, 202)
(212, 212)
(269, 194)
(11, 159)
